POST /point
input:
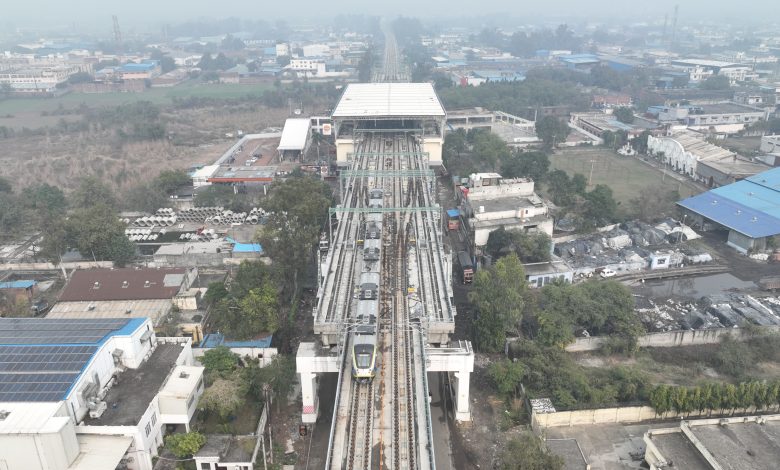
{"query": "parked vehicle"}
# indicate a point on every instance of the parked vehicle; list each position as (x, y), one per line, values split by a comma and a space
(466, 267)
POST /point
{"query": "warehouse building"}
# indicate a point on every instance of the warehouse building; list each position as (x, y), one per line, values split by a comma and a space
(91, 394)
(748, 209)
(687, 152)
(749, 442)
(123, 293)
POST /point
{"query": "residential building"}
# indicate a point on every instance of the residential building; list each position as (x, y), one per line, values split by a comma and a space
(748, 209)
(86, 394)
(490, 202)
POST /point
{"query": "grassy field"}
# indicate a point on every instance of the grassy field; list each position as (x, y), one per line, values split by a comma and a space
(625, 175)
(14, 106)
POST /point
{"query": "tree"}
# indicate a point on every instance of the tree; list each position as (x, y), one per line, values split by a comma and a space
(80, 77)
(261, 309)
(716, 82)
(532, 165)
(299, 210)
(184, 444)
(45, 201)
(526, 452)
(506, 375)
(220, 360)
(499, 298)
(551, 130)
(216, 291)
(91, 192)
(224, 397)
(653, 202)
(96, 231)
(529, 247)
(624, 115)
(601, 206)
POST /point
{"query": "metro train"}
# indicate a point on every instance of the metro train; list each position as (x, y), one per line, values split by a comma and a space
(365, 333)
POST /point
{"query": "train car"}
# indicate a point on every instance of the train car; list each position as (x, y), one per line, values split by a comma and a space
(364, 351)
(466, 267)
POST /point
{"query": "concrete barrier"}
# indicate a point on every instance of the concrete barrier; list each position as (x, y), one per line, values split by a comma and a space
(670, 339)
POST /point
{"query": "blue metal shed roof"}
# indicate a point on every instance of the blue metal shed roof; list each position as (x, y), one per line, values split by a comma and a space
(750, 206)
(17, 284)
(212, 340)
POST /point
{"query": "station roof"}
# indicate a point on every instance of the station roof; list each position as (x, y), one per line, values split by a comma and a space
(361, 100)
(295, 134)
(750, 206)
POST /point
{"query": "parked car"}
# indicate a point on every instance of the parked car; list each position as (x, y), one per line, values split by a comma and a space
(606, 272)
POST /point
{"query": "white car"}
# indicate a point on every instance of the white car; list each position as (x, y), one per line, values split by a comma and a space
(605, 273)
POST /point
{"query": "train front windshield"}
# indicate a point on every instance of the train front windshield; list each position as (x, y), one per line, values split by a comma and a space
(363, 360)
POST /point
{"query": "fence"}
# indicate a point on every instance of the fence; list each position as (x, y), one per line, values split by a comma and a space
(669, 339)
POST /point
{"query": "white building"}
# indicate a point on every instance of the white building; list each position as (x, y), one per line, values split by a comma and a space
(491, 202)
(90, 394)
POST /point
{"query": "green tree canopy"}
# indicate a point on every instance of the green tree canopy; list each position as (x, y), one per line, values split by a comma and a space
(220, 359)
(624, 115)
(184, 444)
(551, 130)
(529, 247)
(498, 297)
(299, 210)
(716, 82)
(532, 165)
(527, 452)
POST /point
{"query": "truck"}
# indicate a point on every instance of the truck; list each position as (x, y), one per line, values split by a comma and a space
(466, 267)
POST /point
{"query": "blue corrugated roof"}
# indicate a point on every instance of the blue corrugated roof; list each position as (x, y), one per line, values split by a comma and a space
(245, 247)
(17, 284)
(750, 206)
(212, 340)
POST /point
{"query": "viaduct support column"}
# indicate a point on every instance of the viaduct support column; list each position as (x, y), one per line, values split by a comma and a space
(462, 410)
(309, 394)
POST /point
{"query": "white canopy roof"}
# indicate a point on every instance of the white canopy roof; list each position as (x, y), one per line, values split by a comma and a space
(388, 100)
(294, 134)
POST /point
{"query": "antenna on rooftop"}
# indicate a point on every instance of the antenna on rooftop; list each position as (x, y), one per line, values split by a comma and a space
(117, 32)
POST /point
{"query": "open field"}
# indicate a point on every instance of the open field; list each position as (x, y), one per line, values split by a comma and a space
(625, 175)
(26, 112)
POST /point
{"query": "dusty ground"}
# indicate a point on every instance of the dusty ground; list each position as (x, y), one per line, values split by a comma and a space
(197, 137)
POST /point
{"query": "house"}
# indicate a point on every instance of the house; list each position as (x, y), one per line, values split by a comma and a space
(86, 394)
(490, 202)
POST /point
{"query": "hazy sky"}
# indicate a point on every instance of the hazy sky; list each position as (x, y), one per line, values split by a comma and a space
(153, 12)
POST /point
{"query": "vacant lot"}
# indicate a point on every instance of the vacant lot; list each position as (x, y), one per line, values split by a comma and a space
(30, 112)
(625, 175)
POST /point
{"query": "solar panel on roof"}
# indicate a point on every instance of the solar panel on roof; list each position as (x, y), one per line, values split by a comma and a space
(40, 359)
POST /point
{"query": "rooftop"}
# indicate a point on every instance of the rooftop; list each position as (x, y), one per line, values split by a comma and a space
(388, 100)
(727, 108)
(212, 340)
(41, 358)
(229, 449)
(134, 389)
(750, 206)
(237, 174)
(24, 284)
(123, 284)
(153, 309)
(295, 134)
